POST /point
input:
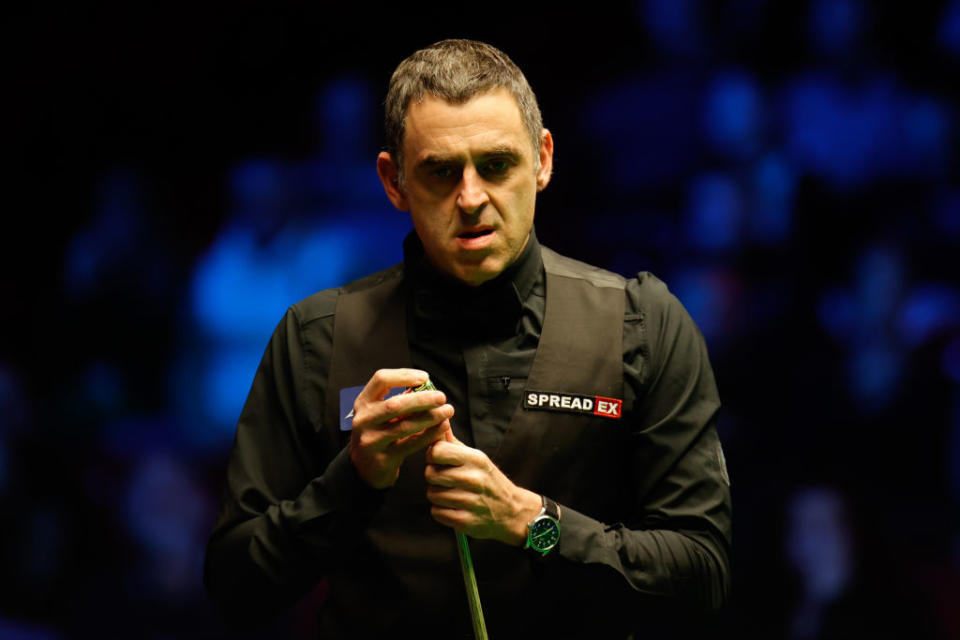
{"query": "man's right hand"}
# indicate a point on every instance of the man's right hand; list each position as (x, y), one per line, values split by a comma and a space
(385, 432)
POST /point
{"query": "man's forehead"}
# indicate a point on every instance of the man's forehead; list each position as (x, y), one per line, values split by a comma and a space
(489, 122)
(497, 104)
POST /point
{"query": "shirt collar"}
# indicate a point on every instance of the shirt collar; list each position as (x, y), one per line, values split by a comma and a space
(493, 306)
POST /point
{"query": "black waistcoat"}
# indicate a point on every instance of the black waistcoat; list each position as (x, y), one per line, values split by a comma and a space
(408, 572)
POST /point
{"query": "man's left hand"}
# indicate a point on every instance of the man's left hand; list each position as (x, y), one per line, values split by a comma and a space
(470, 494)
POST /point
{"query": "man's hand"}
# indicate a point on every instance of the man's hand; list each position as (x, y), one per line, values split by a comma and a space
(385, 432)
(470, 494)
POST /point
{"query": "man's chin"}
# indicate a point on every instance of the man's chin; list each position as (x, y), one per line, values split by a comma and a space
(476, 278)
(472, 268)
(474, 275)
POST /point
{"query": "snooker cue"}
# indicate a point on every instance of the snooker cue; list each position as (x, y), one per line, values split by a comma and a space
(470, 582)
(466, 562)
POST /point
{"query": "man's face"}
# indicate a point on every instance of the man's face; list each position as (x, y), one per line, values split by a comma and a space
(470, 182)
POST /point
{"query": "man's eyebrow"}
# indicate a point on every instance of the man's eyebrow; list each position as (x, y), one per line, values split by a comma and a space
(433, 160)
(502, 150)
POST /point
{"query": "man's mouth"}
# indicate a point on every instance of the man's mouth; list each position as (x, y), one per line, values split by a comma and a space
(476, 239)
(475, 234)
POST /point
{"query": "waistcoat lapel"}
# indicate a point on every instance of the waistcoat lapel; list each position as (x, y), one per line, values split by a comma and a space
(369, 333)
(580, 352)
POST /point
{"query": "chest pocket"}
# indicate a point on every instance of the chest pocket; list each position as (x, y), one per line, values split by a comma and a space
(492, 410)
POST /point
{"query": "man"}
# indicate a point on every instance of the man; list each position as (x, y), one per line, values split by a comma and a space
(571, 438)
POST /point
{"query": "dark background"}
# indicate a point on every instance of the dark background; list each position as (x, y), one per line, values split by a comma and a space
(181, 174)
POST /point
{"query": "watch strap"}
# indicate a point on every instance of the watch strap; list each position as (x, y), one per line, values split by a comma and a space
(550, 508)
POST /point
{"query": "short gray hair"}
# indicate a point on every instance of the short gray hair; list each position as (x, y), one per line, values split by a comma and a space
(456, 71)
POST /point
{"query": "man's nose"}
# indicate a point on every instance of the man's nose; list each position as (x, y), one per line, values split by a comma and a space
(473, 194)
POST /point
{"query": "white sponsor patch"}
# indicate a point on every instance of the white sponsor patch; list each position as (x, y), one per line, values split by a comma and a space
(573, 403)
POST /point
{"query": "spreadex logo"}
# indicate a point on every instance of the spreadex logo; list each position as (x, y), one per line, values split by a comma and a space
(573, 403)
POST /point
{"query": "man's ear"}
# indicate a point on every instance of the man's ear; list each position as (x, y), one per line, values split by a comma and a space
(546, 160)
(390, 177)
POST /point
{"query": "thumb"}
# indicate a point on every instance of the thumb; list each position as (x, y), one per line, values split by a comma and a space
(452, 438)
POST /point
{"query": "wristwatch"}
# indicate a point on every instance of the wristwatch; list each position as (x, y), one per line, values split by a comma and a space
(543, 532)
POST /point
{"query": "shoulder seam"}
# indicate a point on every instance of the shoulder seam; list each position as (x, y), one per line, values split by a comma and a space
(374, 279)
(560, 265)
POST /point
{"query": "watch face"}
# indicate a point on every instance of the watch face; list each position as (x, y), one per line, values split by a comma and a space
(544, 534)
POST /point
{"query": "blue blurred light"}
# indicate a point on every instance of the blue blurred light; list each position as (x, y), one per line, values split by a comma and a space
(816, 129)
(714, 213)
(836, 24)
(673, 24)
(949, 33)
(927, 125)
(130, 436)
(873, 373)
(17, 630)
(878, 277)
(328, 185)
(648, 131)
(166, 513)
(237, 289)
(229, 373)
(836, 313)
(258, 188)
(774, 184)
(951, 367)
(734, 114)
(104, 386)
(928, 310)
(696, 298)
(256, 181)
(709, 296)
(343, 114)
(851, 135)
(946, 212)
(295, 228)
(108, 240)
(819, 542)
(82, 263)
(241, 288)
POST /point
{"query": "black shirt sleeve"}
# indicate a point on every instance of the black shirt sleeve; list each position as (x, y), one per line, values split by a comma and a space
(290, 509)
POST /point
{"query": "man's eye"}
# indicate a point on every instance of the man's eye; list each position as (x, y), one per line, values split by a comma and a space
(444, 173)
(495, 167)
